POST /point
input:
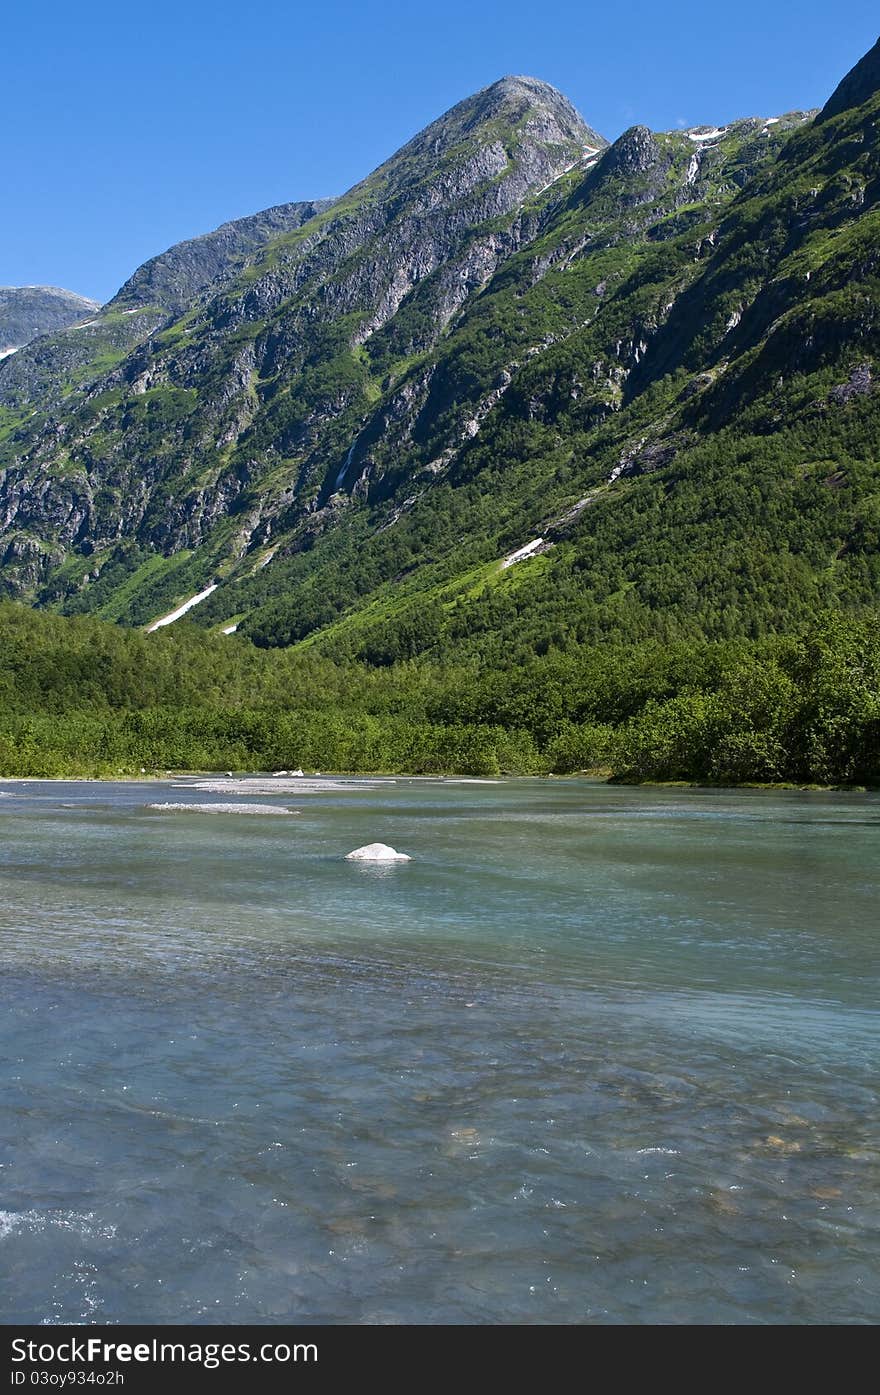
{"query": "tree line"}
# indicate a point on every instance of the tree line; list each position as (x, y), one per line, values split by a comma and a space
(83, 697)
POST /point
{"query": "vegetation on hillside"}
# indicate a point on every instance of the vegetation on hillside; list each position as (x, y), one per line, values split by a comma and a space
(85, 697)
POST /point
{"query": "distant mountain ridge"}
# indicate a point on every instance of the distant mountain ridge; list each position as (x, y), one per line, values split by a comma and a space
(518, 388)
(28, 311)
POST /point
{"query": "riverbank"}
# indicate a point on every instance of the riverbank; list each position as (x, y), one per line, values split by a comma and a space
(268, 782)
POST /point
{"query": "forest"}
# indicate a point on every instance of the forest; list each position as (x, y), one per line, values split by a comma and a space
(82, 697)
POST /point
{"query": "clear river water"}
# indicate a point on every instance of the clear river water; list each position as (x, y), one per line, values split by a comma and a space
(595, 1055)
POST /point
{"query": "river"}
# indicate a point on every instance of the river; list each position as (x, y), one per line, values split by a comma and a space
(595, 1055)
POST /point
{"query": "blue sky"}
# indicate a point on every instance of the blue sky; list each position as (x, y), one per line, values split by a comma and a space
(129, 127)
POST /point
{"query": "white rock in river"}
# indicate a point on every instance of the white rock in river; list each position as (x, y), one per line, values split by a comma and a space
(377, 852)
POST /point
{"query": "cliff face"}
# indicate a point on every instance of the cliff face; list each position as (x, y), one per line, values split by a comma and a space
(511, 338)
(860, 84)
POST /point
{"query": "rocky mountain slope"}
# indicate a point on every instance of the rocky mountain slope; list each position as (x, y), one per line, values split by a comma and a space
(55, 370)
(28, 311)
(519, 388)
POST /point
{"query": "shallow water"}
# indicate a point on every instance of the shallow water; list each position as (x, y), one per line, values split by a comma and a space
(594, 1055)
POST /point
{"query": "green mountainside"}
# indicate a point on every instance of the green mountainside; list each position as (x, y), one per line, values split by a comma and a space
(519, 400)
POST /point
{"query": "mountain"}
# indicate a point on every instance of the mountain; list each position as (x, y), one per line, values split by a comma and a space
(278, 353)
(518, 390)
(58, 366)
(28, 311)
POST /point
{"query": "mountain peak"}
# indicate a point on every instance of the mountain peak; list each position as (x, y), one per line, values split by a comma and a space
(860, 83)
(525, 105)
(519, 126)
(521, 97)
(518, 82)
(519, 85)
(635, 151)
